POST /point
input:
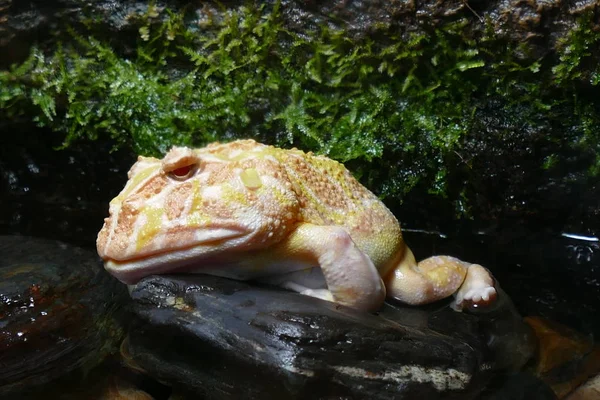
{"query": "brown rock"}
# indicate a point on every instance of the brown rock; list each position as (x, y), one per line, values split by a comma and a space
(565, 358)
(589, 391)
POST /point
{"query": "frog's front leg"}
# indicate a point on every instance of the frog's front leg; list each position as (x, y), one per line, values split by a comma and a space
(438, 277)
(350, 275)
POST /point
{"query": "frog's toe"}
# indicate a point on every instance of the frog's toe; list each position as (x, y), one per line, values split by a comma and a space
(476, 297)
(481, 296)
(322, 294)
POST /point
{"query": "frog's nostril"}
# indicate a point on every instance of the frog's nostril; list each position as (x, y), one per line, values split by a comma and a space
(129, 207)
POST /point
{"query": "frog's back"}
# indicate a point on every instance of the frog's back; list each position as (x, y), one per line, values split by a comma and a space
(328, 194)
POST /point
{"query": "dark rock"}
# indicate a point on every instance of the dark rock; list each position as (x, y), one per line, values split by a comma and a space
(518, 386)
(509, 342)
(56, 312)
(110, 380)
(227, 339)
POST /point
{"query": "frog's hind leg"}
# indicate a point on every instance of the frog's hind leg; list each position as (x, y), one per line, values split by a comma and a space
(438, 277)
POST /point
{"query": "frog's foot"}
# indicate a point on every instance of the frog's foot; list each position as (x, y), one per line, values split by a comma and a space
(438, 277)
(477, 291)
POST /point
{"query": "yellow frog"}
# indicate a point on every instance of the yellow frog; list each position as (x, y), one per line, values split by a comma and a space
(245, 210)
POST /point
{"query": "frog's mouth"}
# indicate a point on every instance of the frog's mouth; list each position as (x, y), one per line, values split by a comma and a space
(174, 260)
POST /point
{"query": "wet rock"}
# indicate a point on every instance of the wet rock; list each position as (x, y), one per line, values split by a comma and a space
(518, 386)
(57, 309)
(219, 338)
(509, 342)
(110, 380)
(119, 389)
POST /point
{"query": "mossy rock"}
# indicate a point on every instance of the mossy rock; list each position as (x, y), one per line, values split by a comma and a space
(476, 107)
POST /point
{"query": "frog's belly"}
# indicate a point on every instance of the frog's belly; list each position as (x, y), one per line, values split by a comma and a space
(250, 268)
(311, 278)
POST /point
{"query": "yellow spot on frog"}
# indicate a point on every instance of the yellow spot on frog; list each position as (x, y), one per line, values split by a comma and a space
(197, 215)
(196, 197)
(250, 178)
(152, 226)
(198, 219)
(231, 196)
(441, 276)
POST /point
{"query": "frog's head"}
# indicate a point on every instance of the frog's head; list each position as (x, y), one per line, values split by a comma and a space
(195, 204)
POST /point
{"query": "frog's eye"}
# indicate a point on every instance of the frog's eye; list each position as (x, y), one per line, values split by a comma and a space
(180, 163)
(183, 173)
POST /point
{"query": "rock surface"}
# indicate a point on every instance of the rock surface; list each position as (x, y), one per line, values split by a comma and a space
(518, 386)
(224, 339)
(564, 358)
(589, 391)
(57, 312)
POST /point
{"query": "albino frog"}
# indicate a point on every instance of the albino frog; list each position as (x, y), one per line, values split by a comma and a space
(244, 210)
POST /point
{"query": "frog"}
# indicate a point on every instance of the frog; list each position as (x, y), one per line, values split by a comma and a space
(250, 211)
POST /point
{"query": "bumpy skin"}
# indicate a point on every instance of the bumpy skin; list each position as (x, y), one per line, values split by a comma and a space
(245, 210)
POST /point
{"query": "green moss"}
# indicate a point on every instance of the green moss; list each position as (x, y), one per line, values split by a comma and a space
(575, 51)
(406, 102)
